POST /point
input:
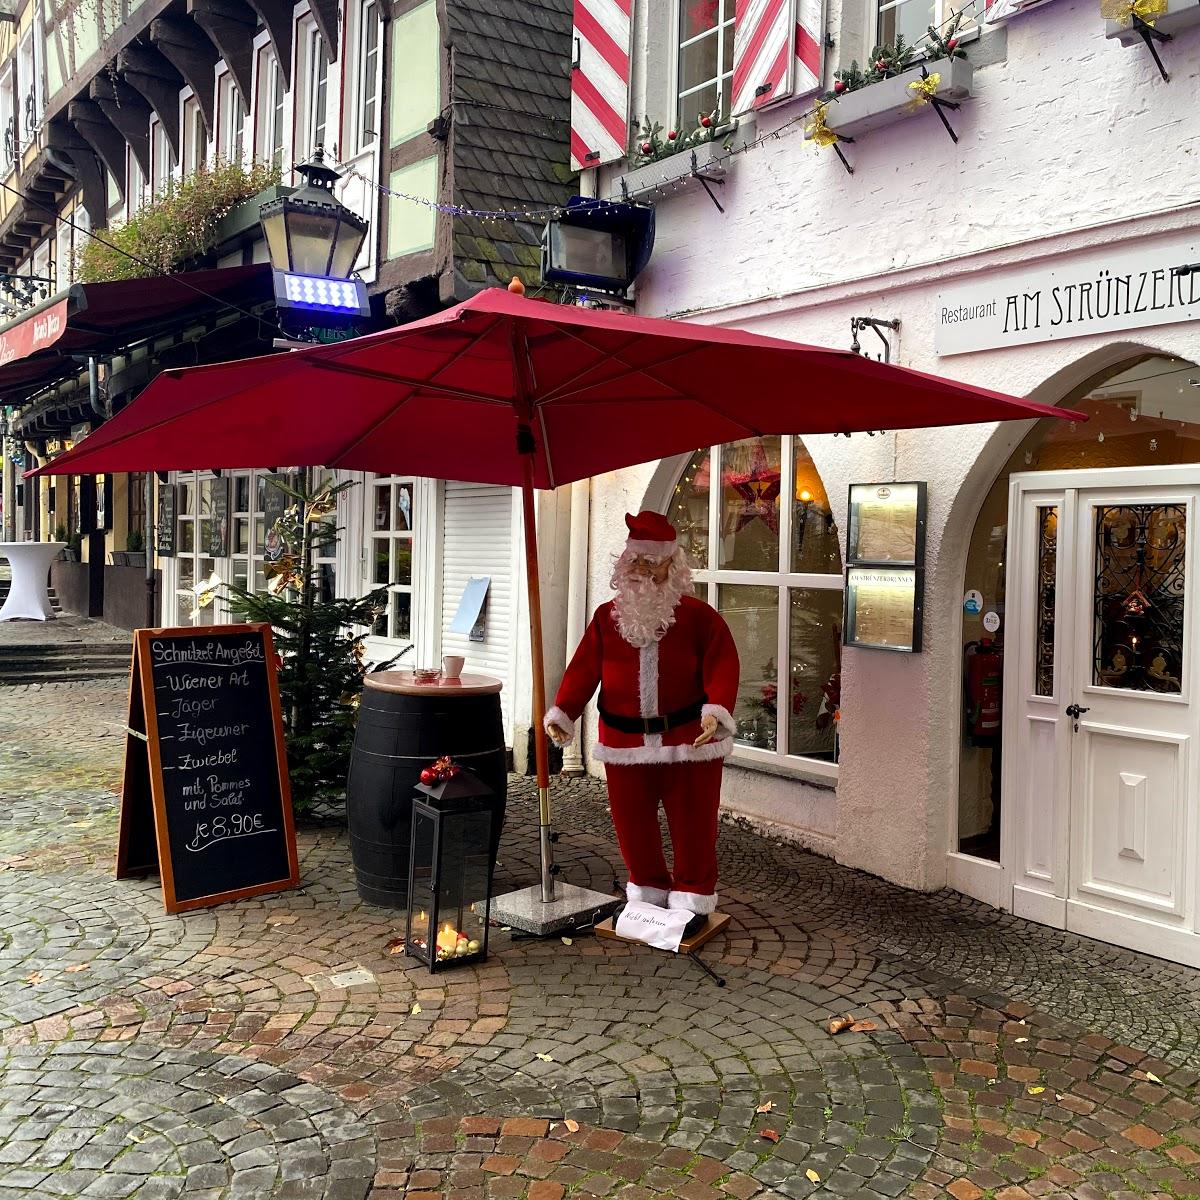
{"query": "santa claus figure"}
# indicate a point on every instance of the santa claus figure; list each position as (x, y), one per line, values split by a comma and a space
(667, 669)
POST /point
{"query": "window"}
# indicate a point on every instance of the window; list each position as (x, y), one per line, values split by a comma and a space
(8, 121)
(269, 109)
(161, 159)
(705, 58)
(135, 189)
(30, 91)
(231, 121)
(195, 136)
(193, 514)
(911, 18)
(316, 89)
(136, 504)
(391, 553)
(774, 571)
(368, 77)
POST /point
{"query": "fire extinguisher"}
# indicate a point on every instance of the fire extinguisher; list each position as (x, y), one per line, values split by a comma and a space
(983, 677)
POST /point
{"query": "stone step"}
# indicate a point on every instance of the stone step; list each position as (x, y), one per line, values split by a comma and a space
(54, 604)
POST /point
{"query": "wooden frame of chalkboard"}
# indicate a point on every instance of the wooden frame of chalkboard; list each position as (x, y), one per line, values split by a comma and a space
(238, 815)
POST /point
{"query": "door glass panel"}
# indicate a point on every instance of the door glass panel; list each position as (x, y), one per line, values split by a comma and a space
(753, 616)
(402, 561)
(1138, 597)
(815, 671)
(383, 493)
(404, 506)
(750, 480)
(1047, 564)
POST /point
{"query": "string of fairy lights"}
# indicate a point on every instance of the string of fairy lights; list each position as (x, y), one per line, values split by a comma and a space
(668, 183)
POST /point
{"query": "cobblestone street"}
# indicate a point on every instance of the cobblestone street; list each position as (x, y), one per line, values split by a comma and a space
(214, 1055)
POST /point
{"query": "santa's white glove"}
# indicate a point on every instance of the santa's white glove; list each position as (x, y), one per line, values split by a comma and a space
(708, 730)
(558, 735)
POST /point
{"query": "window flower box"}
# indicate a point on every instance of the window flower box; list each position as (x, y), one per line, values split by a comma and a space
(679, 172)
(892, 100)
(1179, 15)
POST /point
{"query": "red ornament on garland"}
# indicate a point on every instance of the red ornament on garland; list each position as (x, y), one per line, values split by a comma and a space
(839, 86)
(880, 65)
(952, 43)
(706, 121)
(672, 135)
(427, 776)
(646, 147)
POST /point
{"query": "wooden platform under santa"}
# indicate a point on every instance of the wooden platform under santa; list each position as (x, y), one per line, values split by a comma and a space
(714, 925)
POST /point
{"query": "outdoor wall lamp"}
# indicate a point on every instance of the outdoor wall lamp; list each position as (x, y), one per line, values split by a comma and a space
(313, 241)
(597, 244)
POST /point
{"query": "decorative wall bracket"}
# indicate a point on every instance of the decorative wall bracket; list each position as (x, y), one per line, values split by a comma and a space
(1148, 23)
(705, 166)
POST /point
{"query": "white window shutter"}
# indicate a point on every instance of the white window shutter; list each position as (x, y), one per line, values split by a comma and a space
(778, 51)
(600, 42)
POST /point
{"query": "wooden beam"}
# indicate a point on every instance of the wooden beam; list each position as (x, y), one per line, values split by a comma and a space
(91, 124)
(129, 113)
(230, 25)
(191, 51)
(145, 69)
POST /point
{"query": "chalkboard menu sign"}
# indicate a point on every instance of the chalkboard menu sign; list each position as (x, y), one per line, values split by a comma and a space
(205, 796)
(216, 528)
(164, 537)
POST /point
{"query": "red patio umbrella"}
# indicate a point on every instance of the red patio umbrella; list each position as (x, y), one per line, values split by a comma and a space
(502, 389)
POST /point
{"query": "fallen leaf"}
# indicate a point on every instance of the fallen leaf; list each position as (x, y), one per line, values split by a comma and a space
(567, 942)
(572, 1126)
(863, 1027)
(544, 1057)
(1150, 1075)
(35, 977)
(838, 1024)
(395, 946)
(767, 1106)
(416, 1008)
(1036, 1091)
(812, 1176)
(769, 1134)
(74, 968)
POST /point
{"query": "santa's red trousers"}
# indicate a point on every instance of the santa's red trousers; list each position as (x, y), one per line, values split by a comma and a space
(691, 795)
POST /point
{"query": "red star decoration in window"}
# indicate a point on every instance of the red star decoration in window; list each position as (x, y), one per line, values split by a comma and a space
(759, 489)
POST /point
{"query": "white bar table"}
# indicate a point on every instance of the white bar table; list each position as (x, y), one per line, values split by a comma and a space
(28, 598)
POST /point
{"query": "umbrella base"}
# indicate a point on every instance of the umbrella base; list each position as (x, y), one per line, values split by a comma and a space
(571, 908)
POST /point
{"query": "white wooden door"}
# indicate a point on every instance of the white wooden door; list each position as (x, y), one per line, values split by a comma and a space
(1102, 718)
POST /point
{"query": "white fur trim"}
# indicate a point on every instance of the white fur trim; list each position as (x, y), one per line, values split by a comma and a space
(724, 717)
(646, 895)
(634, 755)
(692, 902)
(648, 689)
(662, 549)
(556, 716)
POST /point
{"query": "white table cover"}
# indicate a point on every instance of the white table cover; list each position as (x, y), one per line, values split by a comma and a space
(28, 597)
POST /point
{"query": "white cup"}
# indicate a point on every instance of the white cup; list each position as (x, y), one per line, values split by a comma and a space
(452, 665)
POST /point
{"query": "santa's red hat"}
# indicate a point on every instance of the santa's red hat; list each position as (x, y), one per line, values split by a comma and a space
(650, 533)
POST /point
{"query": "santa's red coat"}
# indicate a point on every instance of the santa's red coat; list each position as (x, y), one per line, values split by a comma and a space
(695, 661)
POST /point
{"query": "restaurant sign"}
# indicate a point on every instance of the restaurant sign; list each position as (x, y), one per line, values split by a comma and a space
(34, 333)
(1100, 292)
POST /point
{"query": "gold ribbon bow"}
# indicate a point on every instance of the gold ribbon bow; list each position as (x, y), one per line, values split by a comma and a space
(924, 90)
(1125, 10)
(816, 130)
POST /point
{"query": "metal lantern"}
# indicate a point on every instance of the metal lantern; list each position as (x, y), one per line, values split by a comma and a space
(450, 872)
(314, 241)
(597, 244)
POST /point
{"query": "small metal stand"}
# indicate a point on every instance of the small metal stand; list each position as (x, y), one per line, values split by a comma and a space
(938, 105)
(715, 924)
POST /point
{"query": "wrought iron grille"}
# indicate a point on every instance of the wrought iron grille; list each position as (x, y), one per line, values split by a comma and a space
(1138, 603)
(1047, 565)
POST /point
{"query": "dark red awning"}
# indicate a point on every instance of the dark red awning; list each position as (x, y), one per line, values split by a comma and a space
(43, 345)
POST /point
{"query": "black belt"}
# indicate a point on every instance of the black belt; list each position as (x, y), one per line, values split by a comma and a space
(682, 716)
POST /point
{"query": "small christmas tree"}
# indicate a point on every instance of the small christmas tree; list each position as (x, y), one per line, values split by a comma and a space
(320, 646)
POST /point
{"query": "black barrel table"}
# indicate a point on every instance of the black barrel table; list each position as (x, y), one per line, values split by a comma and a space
(404, 726)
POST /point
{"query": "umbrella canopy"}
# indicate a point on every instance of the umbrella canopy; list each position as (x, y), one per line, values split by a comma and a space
(505, 390)
(443, 396)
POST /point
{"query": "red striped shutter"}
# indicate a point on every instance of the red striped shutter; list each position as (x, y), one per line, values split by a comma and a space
(600, 82)
(778, 51)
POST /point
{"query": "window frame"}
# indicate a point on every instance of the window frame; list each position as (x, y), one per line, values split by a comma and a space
(193, 136)
(230, 119)
(711, 578)
(160, 154)
(367, 72)
(387, 536)
(8, 99)
(724, 27)
(270, 106)
(316, 90)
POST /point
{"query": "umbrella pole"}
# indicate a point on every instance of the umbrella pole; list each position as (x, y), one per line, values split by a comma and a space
(541, 751)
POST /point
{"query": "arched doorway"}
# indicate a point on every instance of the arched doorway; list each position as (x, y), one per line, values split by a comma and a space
(1077, 803)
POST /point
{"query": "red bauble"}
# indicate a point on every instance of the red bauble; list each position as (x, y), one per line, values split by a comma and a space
(706, 121)
(646, 147)
(880, 65)
(672, 135)
(839, 86)
(950, 45)
(427, 776)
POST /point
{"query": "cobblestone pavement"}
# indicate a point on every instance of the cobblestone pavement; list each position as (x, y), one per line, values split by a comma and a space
(220, 1055)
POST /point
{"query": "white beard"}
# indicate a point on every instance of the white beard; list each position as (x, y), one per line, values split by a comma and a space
(645, 610)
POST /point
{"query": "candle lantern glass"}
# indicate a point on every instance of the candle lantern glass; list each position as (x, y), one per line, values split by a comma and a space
(450, 873)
